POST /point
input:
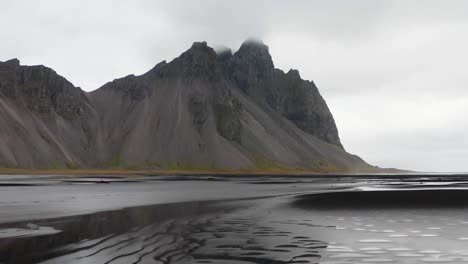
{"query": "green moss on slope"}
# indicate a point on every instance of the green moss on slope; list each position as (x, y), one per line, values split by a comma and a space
(264, 163)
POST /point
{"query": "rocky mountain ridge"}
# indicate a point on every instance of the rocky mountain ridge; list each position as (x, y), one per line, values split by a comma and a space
(201, 110)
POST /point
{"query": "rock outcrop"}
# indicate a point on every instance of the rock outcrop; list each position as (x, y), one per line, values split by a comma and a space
(201, 110)
(299, 101)
(45, 120)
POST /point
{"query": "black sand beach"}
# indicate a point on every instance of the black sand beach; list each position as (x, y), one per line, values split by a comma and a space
(209, 219)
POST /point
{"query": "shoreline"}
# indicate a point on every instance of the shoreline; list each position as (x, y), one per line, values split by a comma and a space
(253, 172)
(234, 221)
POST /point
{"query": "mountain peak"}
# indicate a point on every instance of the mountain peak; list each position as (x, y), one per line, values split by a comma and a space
(253, 44)
(203, 108)
(200, 47)
(199, 60)
(251, 66)
(255, 52)
(198, 51)
(294, 73)
(10, 63)
(224, 54)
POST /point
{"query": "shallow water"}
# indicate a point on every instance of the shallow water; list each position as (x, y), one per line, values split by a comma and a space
(238, 220)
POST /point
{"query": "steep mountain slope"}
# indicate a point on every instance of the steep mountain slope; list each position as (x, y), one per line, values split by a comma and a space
(252, 70)
(44, 119)
(202, 110)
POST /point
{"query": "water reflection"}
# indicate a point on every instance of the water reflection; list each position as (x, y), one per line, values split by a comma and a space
(229, 232)
(90, 232)
(389, 225)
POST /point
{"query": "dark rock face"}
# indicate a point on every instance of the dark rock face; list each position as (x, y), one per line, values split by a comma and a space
(300, 102)
(128, 85)
(201, 64)
(228, 112)
(41, 89)
(251, 69)
(197, 62)
(8, 77)
(201, 110)
(45, 120)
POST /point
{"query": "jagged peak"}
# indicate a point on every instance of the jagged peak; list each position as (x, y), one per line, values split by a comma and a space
(255, 50)
(11, 63)
(200, 44)
(224, 54)
(199, 53)
(221, 49)
(158, 66)
(16, 64)
(294, 73)
(200, 47)
(253, 43)
(36, 70)
(199, 60)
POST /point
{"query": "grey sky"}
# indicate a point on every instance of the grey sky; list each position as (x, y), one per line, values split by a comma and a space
(392, 72)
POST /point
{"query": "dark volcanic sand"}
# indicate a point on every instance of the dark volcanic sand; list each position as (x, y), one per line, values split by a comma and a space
(369, 219)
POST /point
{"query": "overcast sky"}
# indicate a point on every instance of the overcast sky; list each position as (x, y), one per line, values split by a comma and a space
(394, 73)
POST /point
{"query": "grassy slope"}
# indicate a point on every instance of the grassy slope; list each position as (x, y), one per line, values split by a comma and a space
(264, 166)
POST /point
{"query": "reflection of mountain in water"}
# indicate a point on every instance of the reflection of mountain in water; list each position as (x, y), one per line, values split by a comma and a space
(174, 233)
(417, 221)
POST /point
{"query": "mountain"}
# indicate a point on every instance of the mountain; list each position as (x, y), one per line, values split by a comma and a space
(203, 110)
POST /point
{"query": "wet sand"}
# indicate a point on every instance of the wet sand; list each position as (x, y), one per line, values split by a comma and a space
(204, 219)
